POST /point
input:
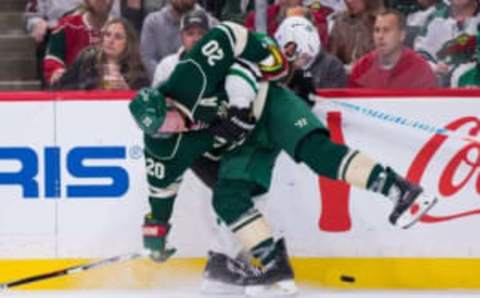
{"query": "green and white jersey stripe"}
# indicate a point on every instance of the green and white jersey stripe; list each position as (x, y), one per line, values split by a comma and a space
(242, 84)
(207, 65)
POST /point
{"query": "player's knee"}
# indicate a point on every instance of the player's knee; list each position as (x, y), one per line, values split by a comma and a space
(232, 199)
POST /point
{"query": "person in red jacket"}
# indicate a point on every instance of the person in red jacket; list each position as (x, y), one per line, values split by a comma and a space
(390, 64)
(73, 34)
(277, 12)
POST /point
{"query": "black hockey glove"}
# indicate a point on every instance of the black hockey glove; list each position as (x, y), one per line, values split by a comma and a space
(232, 127)
(302, 84)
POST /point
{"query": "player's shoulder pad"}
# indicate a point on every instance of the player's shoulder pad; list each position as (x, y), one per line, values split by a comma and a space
(236, 34)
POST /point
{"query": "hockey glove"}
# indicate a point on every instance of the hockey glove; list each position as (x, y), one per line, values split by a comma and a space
(155, 238)
(149, 109)
(302, 84)
(233, 127)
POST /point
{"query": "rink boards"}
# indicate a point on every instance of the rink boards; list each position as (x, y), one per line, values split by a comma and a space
(72, 181)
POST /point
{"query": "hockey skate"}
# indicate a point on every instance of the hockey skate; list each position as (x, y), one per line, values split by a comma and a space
(275, 278)
(411, 203)
(224, 275)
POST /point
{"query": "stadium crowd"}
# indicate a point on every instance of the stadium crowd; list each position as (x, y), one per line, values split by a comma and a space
(127, 44)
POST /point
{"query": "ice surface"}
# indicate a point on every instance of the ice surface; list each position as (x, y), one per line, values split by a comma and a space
(193, 293)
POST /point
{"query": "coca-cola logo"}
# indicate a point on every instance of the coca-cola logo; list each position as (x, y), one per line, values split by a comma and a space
(335, 215)
(467, 157)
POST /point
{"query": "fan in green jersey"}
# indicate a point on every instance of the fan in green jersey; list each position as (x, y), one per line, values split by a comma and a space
(467, 75)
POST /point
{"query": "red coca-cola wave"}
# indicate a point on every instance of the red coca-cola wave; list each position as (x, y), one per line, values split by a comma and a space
(447, 187)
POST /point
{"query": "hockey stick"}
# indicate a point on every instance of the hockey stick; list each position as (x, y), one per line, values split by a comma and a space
(72, 269)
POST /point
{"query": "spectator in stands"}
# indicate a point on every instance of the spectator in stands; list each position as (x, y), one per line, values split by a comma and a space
(113, 64)
(467, 75)
(40, 17)
(315, 68)
(448, 39)
(193, 26)
(406, 7)
(43, 15)
(335, 5)
(161, 33)
(73, 34)
(231, 10)
(417, 20)
(391, 65)
(278, 11)
(153, 5)
(136, 10)
(319, 14)
(352, 32)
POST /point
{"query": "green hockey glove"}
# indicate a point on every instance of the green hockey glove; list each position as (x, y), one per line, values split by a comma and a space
(155, 238)
(148, 108)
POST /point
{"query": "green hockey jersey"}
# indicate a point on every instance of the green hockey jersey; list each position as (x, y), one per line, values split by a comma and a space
(206, 66)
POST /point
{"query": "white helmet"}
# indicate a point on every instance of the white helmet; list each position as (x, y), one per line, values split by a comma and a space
(303, 34)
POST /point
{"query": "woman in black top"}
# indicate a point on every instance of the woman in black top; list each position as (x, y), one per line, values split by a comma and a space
(114, 64)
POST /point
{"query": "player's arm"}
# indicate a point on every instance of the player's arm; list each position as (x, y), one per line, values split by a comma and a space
(242, 84)
(206, 65)
(234, 124)
(201, 72)
(54, 61)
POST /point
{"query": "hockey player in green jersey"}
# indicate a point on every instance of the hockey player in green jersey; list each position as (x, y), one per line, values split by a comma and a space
(282, 122)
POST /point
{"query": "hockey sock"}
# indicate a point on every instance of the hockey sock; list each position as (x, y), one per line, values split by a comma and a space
(255, 235)
(383, 181)
(359, 170)
(161, 209)
(264, 251)
(337, 161)
(232, 201)
(161, 201)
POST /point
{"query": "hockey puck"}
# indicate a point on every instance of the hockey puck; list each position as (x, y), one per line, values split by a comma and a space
(347, 278)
